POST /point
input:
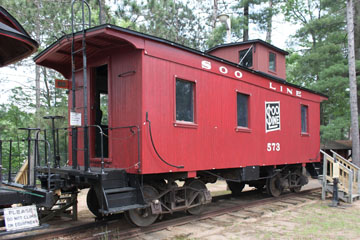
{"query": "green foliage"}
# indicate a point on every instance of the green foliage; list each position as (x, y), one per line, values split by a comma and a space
(172, 20)
(322, 63)
(260, 14)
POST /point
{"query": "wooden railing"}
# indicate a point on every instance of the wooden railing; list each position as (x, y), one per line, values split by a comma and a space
(347, 173)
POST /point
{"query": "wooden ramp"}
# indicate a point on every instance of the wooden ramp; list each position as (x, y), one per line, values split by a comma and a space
(22, 175)
(336, 166)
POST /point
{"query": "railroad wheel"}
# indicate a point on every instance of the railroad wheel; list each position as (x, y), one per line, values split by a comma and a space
(274, 186)
(295, 189)
(93, 202)
(143, 217)
(235, 187)
(195, 197)
(297, 180)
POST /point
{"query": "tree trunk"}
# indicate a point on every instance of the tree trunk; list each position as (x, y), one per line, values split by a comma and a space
(47, 93)
(269, 23)
(246, 21)
(215, 10)
(102, 17)
(353, 87)
(37, 68)
(357, 30)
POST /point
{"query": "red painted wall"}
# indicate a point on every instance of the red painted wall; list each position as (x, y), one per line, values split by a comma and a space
(214, 142)
(124, 106)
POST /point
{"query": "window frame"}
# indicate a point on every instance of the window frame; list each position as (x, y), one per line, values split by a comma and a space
(182, 123)
(307, 133)
(243, 128)
(252, 56)
(272, 70)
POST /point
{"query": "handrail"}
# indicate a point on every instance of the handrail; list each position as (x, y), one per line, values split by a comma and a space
(101, 143)
(30, 161)
(345, 160)
(102, 140)
(348, 175)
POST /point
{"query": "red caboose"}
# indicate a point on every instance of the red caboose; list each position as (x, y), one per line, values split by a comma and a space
(157, 112)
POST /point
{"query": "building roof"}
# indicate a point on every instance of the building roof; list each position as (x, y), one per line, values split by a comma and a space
(337, 145)
(248, 42)
(15, 42)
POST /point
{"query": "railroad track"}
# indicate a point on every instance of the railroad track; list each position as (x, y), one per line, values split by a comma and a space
(239, 207)
(271, 203)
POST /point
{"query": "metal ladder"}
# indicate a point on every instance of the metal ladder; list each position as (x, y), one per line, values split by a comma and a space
(74, 51)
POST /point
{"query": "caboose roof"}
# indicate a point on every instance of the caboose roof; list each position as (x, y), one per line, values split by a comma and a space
(15, 42)
(99, 38)
(249, 42)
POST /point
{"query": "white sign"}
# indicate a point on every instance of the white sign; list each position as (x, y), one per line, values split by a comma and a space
(272, 116)
(21, 217)
(75, 119)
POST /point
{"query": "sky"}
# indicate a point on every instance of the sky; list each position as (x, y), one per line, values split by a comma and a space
(24, 76)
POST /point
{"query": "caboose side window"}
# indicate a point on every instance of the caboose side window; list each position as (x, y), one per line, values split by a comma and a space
(185, 100)
(246, 57)
(242, 110)
(304, 119)
(272, 62)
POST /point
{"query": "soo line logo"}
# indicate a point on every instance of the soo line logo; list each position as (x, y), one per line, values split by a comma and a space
(272, 116)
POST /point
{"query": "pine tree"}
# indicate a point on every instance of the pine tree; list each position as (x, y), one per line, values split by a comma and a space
(353, 84)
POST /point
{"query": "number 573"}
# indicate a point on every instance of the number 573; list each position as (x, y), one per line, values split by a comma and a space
(271, 147)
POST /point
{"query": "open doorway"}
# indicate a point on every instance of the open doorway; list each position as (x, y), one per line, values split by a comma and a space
(101, 109)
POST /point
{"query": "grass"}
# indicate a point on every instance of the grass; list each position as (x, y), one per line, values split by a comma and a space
(318, 221)
(313, 220)
(182, 237)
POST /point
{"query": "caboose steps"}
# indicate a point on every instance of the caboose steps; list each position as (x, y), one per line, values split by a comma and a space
(344, 173)
(114, 192)
(119, 190)
(120, 209)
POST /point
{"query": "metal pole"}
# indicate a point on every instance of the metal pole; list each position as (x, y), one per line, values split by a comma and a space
(48, 165)
(85, 89)
(37, 159)
(34, 159)
(45, 147)
(73, 130)
(102, 150)
(10, 153)
(54, 143)
(335, 201)
(29, 146)
(57, 147)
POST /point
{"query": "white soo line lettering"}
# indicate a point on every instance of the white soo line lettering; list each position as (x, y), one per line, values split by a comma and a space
(222, 69)
(238, 74)
(286, 90)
